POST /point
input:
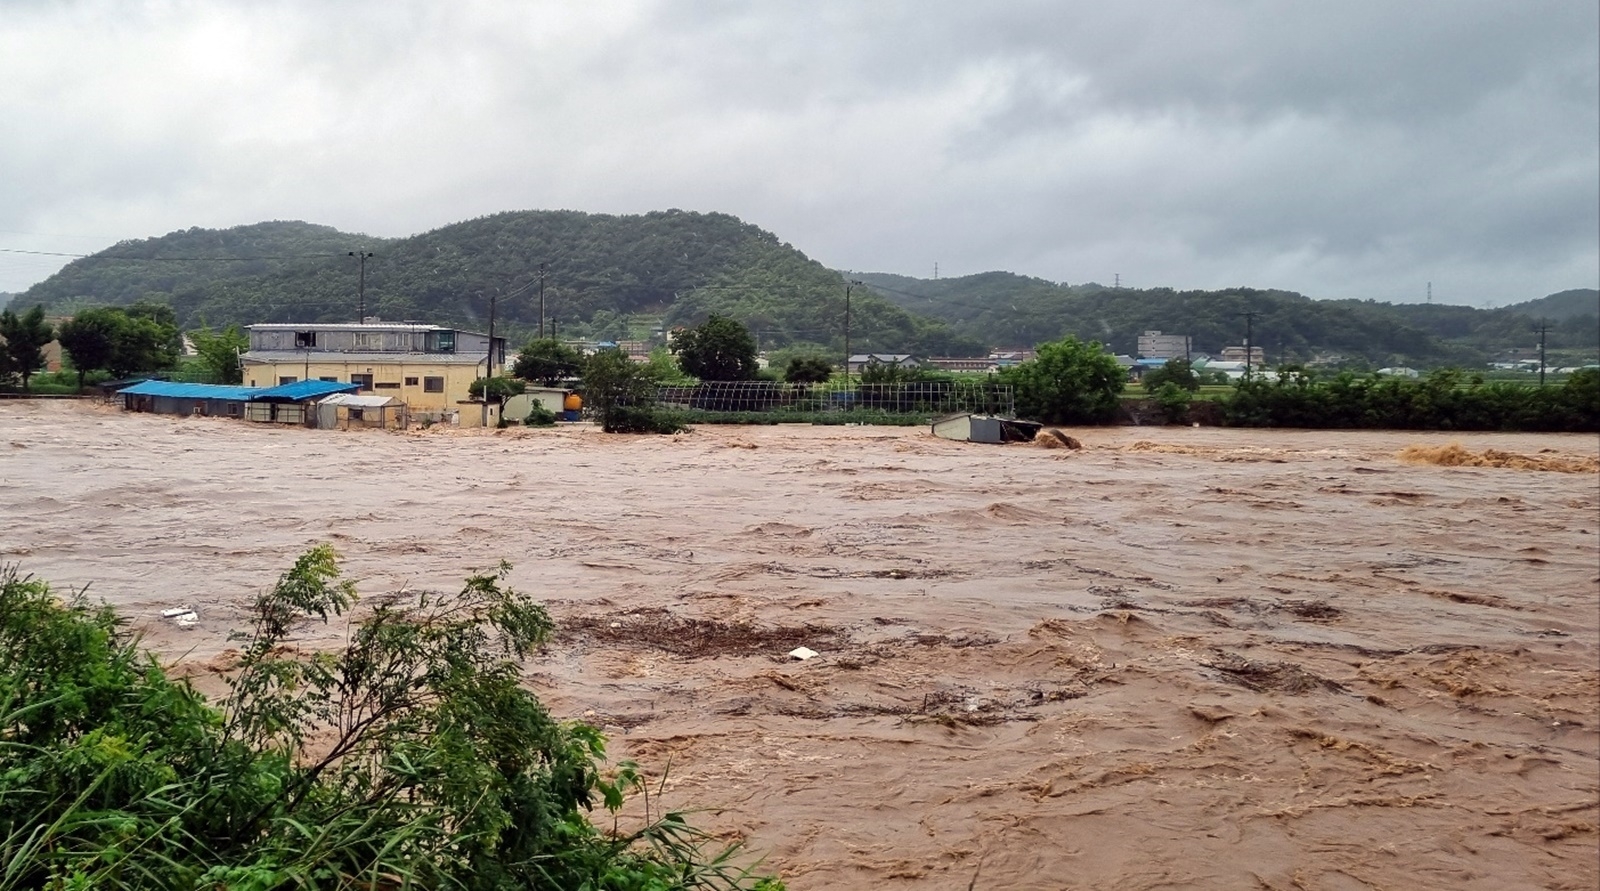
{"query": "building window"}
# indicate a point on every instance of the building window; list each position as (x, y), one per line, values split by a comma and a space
(363, 380)
(369, 340)
(233, 409)
(411, 382)
(386, 385)
(358, 414)
(331, 380)
(445, 341)
(287, 379)
(305, 340)
(433, 385)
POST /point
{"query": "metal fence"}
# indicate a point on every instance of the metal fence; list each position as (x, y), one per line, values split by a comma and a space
(910, 400)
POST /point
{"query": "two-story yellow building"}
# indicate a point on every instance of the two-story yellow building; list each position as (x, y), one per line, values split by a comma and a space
(429, 367)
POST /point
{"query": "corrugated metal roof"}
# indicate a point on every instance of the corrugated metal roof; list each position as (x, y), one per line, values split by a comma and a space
(324, 357)
(345, 326)
(300, 391)
(179, 390)
(352, 399)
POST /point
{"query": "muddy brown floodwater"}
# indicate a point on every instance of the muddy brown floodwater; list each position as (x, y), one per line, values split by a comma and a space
(1177, 658)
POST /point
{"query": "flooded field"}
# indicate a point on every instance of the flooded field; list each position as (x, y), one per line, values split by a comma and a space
(1175, 658)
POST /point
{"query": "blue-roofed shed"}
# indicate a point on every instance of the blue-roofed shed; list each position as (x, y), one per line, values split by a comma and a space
(176, 398)
(286, 403)
(300, 391)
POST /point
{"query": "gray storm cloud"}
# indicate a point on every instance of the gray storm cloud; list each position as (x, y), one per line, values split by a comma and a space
(1352, 149)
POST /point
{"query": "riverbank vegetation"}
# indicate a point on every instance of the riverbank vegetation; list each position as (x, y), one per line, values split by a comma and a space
(412, 758)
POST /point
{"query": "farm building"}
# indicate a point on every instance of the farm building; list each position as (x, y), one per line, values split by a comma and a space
(173, 398)
(288, 403)
(429, 367)
(346, 411)
(552, 398)
(283, 405)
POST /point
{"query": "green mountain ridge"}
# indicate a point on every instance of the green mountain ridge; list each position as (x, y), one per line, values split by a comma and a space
(1007, 309)
(603, 274)
(598, 269)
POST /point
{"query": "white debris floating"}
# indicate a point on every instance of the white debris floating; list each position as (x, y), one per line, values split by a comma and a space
(182, 616)
(801, 654)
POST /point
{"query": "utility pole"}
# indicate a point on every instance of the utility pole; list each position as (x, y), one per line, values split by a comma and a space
(542, 266)
(493, 295)
(361, 287)
(1249, 342)
(1542, 328)
(488, 361)
(847, 286)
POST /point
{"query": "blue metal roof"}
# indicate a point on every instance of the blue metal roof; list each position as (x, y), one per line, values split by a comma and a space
(179, 390)
(302, 390)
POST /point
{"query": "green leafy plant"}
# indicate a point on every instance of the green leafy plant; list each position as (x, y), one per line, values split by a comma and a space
(622, 395)
(539, 416)
(720, 349)
(547, 361)
(1069, 382)
(497, 388)
(413, 757)
(25, 337)
(220, 350)
(808, 370)
(1173, 400)
(1178, 372)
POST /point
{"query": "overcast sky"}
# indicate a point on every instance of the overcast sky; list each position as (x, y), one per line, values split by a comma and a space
(1338, 149)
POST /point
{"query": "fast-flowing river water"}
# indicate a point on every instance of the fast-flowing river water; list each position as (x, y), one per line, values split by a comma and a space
(1177, 657)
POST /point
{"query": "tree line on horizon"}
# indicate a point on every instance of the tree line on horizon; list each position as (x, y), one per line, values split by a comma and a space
(599, 276)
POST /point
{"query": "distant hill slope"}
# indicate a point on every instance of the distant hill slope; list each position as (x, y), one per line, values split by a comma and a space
(1562, 305)
(1005, 309)
(679, 266)
(675, 264)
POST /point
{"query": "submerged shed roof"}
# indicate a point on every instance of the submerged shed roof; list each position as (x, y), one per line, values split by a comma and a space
(179, 390)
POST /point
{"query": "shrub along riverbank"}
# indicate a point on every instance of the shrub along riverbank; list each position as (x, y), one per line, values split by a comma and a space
(412, 759)
(1444, 400)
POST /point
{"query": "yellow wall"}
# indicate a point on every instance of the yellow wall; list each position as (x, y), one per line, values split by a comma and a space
(457, 380)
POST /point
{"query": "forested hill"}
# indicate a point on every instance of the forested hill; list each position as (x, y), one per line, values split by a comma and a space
(672, 264)
(605, 273)
(1005, 309)
(1562, 305)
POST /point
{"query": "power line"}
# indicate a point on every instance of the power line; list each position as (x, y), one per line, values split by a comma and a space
(166, 259)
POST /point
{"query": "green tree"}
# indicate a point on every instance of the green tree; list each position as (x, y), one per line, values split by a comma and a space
(663, 368)
(808, 370)
(1070, 382)
(141, 344)
(1174, 401)
(547, 361)
(721, 349)
(875, 372)
(90, 339)
(220, 352)
(621, 394)
(499, 388)
(1179, 372)
(25, 339)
